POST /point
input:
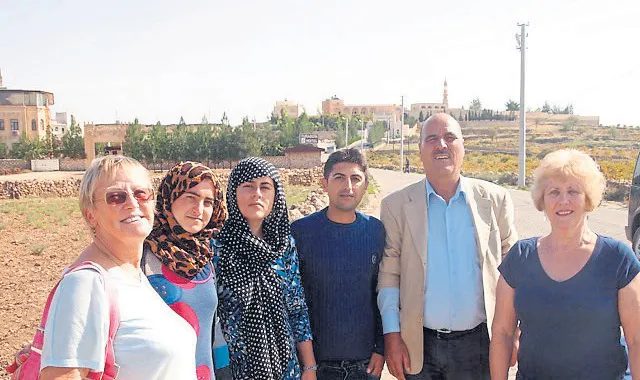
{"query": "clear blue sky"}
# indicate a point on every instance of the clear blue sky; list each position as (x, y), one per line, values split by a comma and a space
(162, 59)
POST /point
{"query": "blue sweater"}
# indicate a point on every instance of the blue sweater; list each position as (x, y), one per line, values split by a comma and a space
(339, 268)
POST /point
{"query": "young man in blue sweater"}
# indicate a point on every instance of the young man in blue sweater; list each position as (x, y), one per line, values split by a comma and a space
(339, 250)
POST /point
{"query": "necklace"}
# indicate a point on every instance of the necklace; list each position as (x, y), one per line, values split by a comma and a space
(120, 263)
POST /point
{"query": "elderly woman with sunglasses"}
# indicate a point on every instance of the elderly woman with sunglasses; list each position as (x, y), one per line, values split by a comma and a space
(190, 210)
(262, 307)
(570, 290)
(151, 342)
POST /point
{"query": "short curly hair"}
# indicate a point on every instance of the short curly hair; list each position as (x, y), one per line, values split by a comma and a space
(569, 163)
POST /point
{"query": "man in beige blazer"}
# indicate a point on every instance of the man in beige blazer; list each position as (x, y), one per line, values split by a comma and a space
(446, 236)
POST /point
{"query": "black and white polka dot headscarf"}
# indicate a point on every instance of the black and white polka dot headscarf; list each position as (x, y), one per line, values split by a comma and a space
(245, 269)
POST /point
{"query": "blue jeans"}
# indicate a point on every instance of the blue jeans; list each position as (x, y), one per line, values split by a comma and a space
(344, 370)
(455, 356)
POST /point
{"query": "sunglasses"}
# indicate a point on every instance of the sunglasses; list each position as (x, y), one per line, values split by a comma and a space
(118, 197)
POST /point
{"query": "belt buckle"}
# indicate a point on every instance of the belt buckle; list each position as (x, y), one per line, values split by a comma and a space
(444, 331)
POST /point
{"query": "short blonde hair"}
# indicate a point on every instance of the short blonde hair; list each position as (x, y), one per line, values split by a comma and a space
(102, 168)
(569, 163)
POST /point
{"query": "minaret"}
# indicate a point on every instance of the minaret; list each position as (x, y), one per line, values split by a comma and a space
(445, 95)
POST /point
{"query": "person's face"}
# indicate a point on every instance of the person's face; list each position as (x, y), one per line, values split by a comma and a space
(564, 202)
(123, 207)
(345, 186)
(194, 207)
(442, 150)
(255, 198)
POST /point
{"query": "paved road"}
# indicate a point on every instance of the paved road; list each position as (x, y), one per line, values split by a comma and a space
(608, 219)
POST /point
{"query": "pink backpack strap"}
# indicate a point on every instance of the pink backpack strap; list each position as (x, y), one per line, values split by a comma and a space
(111, 369)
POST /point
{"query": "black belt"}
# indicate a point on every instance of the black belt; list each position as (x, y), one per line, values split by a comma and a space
(446, 334)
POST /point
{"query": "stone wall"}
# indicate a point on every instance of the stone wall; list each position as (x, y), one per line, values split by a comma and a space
(14, 164)
(278, 161)
(70, 187)
(72, 164)
(40, 189)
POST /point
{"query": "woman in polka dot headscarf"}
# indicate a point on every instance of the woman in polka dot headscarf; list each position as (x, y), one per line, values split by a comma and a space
(262, 309)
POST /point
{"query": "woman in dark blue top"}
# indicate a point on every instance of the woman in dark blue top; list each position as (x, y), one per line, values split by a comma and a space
(570, 290)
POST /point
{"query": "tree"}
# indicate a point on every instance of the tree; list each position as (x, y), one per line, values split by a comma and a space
(421, 117)
(476, 106)
(72, 144)
(568, 110)
(546, 108)
(133, 142)
(512, 105)
(50, 144)
(27, 149)
(181, 122)
(157, 142)
(4, 151)
(376, 132)
(224, 120)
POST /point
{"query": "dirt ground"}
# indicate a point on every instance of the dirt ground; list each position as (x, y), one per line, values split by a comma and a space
(32, 260)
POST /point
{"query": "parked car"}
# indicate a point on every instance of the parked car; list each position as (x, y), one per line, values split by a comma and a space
(633, 228)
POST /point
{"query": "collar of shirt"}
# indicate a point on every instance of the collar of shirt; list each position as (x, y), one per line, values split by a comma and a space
(459, 191)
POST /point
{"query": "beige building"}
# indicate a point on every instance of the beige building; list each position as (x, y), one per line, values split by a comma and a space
(291, 109)
(23, 111)
(59, 124)
(336, 106)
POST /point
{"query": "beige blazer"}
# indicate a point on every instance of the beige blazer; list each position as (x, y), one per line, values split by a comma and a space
(403, 265)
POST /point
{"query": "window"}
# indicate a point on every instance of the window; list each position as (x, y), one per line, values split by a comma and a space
(34, 125)
(1, 124)
(41, 124)
(14, 125)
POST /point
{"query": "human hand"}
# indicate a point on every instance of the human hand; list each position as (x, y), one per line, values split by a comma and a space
(375, 364)
(514, 353)
(397, 355)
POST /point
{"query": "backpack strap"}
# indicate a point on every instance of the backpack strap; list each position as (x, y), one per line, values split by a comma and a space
(111, 369)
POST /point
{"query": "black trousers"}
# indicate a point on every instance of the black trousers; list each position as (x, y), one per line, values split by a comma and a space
(459, 355)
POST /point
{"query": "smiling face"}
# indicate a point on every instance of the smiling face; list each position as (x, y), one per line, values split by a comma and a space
(255, 199)
(564, 203)
(345, 186)
(193, 209)
(130, 220)
(442, 149)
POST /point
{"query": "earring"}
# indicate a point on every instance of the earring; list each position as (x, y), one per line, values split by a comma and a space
(544, 216)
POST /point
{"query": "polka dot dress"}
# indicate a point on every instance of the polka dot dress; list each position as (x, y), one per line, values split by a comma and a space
(244, 268)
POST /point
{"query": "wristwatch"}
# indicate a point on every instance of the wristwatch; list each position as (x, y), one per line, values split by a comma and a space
(310, 367)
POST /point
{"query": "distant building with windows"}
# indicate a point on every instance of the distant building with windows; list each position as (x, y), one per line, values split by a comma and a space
(387, 112)
(59, 124)
(291, 109)
(23, 111)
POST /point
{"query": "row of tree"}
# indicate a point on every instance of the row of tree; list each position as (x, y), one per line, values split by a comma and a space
(220, 142)
(70, 145)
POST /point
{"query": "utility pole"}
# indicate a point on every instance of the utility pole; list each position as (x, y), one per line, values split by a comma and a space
(346, 134)
(402, 135)
(522, 152)
(362, 139)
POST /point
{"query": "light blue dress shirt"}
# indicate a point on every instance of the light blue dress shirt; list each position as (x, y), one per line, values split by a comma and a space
(454, 297)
